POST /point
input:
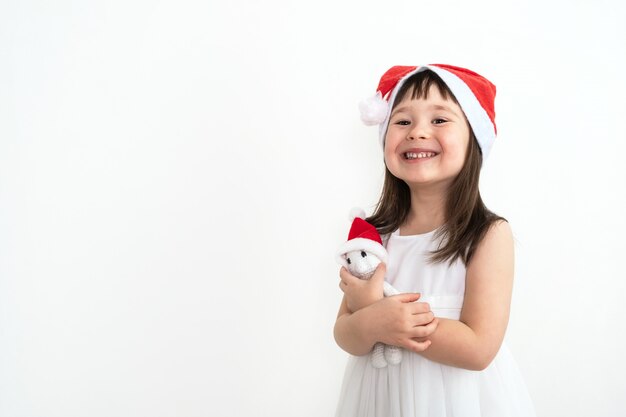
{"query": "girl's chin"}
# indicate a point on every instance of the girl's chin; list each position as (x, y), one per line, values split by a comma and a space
(416, 183)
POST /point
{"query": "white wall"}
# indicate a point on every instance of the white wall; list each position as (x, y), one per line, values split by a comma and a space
(175, 177)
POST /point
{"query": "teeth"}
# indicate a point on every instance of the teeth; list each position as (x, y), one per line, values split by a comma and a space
(413, 155)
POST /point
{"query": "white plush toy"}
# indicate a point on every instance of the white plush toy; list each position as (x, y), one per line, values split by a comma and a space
(361, 254)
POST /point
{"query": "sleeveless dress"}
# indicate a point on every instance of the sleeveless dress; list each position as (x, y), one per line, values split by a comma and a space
(419, 386)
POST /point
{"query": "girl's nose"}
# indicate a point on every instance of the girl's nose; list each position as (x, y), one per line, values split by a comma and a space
(419, 131)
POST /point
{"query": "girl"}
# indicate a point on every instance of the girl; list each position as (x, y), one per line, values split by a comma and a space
(449, 255)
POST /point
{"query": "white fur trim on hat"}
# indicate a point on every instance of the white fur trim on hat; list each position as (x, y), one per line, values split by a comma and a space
(359, 243)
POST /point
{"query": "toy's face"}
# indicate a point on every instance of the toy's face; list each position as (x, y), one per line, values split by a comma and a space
(361, 263)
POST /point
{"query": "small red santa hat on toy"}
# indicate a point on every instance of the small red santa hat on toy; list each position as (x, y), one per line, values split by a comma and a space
(362, 237)
(475, 94)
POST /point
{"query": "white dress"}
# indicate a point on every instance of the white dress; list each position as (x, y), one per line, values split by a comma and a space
(419, 386)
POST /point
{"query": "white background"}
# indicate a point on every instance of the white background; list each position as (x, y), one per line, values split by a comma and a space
(175, 177)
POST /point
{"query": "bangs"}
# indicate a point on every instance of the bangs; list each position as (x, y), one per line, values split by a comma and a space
(419, 84)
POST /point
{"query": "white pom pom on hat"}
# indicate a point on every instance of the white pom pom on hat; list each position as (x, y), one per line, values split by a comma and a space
(357, 212)
(475, 94)
(373, 109)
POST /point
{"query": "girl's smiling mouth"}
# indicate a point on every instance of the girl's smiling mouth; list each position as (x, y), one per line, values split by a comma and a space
(418, 154)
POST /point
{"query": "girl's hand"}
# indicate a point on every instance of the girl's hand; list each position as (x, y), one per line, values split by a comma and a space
(362, 292)
(400, 321)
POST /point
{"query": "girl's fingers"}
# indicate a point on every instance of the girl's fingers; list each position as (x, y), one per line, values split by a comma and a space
(379, 274)
(422, 319)
(423, 331)
(408, 297)
(416, 346)
(346, 276)
(419, 308)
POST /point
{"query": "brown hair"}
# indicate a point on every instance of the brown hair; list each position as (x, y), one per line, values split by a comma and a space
(467, 219)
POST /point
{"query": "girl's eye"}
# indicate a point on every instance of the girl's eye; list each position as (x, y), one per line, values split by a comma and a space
(439, 121)
(403, 122)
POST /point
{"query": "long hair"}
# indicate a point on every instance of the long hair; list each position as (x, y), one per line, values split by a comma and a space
(467, 219)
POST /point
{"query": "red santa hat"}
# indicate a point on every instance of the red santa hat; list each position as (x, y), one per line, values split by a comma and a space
(475, 94)
(362, 236)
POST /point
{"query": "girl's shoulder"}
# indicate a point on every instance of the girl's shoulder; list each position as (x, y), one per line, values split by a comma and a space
(499, 227)
(498, 232)
(496, 242)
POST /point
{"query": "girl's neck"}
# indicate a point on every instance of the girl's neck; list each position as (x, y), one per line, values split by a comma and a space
(427, 212)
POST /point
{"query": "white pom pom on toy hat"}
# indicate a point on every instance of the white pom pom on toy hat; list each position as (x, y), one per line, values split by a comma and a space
(475, 94)
(357, 212)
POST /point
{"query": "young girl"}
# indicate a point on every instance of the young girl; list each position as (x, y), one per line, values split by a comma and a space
(449, 256)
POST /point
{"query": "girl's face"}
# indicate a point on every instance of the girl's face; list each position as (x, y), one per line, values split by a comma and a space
(426, 140)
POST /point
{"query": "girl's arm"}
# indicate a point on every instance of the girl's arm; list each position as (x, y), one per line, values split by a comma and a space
(395, 320)
(473, 341)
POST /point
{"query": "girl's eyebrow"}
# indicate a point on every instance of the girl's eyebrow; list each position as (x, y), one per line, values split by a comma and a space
(397, 109)
(432, 106)
(444, 108)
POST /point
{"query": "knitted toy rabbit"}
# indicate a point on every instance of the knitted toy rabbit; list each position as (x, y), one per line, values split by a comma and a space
(361, 254)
